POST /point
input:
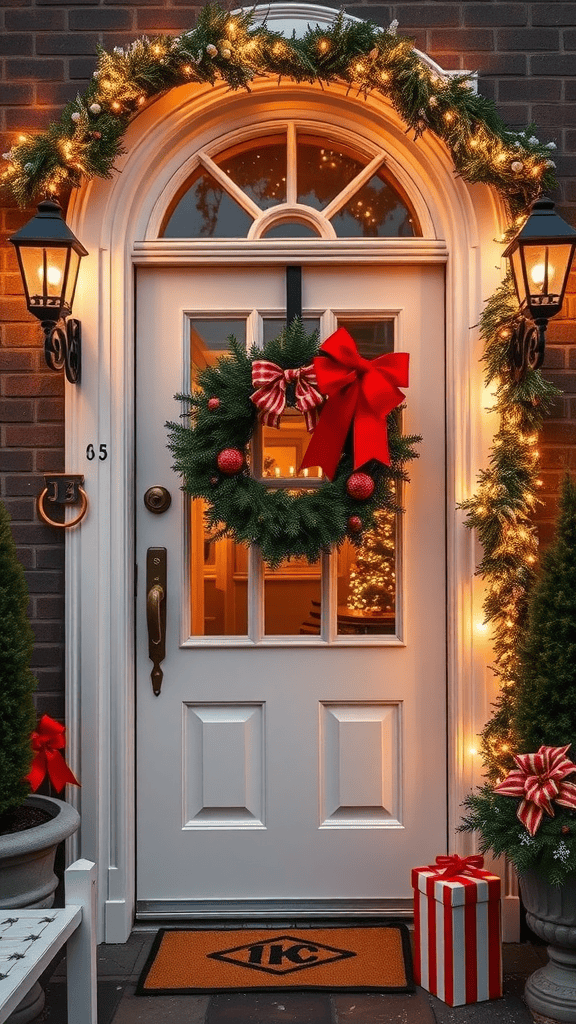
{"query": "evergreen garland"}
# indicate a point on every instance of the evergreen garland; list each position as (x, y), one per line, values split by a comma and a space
(17, 684)
(543, 712)
(87, 138)
(501, 511)
(284, 524)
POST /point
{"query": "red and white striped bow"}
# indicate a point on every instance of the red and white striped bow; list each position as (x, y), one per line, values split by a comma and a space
(270, 398)
(539, 779)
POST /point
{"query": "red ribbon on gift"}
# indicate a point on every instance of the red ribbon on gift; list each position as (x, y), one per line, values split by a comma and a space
(539, 779)
(271, 381)
(359, 391)
(455, 865)
(48, 741)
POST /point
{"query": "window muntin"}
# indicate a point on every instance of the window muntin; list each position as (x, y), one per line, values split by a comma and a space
(353, 592)
(228, 193)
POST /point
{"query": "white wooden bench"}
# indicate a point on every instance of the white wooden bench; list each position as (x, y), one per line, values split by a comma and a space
(30, 939)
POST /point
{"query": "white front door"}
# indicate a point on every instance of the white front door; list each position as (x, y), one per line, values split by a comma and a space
(296, 755)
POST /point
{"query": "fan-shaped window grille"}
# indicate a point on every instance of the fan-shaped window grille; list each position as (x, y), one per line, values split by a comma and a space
(313, 186)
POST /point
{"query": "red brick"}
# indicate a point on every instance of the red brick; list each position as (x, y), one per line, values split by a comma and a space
(55, 93)
(15, 360)
(33, 436)
(12, 461)
(44, 655)
(558, 114)
(530, 89)
(13, 410)
(559, 433)
(20, 510)
(21, 384)
(499, 63)
(29, 118)
(13, 44)
(50, 558)
(558, 64)
(45, 582)
(25, 557)
(22, 485)
(51, 460)
(49, 632)
(50, 607)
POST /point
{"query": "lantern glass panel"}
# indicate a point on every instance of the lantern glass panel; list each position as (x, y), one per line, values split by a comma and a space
(519, 281)
(44, 270)
(73, 268)
(546, 268)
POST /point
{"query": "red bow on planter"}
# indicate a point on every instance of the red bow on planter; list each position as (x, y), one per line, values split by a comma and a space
(455, 865)
(271, 381)
(360, 391)
(48, 741)
(539, 779)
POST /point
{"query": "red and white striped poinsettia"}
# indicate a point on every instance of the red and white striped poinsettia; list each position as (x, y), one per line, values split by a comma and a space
(539, 780)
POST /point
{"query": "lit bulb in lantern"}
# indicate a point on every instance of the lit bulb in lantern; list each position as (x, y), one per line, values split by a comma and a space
(53, 276)
(538, 273)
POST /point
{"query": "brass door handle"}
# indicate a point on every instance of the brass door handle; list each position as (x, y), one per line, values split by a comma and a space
(156, 613)
(154, 598)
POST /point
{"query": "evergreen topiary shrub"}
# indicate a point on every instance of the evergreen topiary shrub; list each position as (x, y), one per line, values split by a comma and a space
(544, 716)
(17, 684)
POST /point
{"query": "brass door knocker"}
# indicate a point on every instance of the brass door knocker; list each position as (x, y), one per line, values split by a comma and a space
(63, 489)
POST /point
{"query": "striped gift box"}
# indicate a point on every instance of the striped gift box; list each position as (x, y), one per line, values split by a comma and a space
(458, 944)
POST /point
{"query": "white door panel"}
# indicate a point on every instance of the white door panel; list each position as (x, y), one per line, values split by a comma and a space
(292, 769)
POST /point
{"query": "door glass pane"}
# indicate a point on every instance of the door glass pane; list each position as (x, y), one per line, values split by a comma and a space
(284, 447)
(323, 170)
(205, 210)
(367, 581)
(259, 168)
(219, 581)
(209, 341)
(373, 337)
(376, 210)
(292, 599)
(272, 326)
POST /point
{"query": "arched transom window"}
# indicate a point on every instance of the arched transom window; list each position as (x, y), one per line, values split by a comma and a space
(294, 182)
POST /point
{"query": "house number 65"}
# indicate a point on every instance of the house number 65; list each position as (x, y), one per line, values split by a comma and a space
(91, 454)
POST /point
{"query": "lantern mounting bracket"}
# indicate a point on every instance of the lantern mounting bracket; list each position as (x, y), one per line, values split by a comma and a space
(527, 346)
(62, 348)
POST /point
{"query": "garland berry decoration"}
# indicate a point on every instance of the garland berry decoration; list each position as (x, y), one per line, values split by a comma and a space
(230, 461)
(285, 520)
(360, 486)
(213, 403)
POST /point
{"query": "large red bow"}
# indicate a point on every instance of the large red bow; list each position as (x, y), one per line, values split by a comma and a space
(271, 381)
(539, 780)
(48, 741)
(359, 390)
(455, 865)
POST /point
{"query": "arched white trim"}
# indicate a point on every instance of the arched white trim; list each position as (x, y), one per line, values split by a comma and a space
(117, 221)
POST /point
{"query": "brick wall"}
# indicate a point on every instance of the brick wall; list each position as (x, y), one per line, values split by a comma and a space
(526, 56)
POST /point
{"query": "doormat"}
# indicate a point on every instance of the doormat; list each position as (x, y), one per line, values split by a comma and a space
(362, 958)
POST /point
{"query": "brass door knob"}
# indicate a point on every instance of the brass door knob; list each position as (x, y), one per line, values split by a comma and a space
(157, 499)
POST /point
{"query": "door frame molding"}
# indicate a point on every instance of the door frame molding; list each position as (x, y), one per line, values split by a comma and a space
(113, 219)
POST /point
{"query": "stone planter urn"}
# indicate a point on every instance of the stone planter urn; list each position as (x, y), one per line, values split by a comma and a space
(27, 879)
(551, 913)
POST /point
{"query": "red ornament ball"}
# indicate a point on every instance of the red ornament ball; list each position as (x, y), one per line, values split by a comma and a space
(360, 486)
(230, 461)
(213, 403)
(354, 524)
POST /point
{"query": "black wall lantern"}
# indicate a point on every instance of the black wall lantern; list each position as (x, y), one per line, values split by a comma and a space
(540, 256)
(49, 256)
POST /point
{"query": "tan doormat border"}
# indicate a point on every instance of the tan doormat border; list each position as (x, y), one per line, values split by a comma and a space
(362, 958)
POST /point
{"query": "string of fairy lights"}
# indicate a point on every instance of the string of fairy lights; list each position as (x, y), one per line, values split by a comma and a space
(87, 139)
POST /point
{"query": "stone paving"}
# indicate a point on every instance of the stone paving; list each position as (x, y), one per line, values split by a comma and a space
(119, 968)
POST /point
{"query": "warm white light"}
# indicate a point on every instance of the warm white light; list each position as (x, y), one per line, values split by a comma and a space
(481, 627)
(291, 470)
(305, 472)
(53, 275)
(473, 751)
(538, 273)
(277, 471)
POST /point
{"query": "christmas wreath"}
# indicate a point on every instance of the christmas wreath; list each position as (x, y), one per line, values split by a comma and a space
(212, 451)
